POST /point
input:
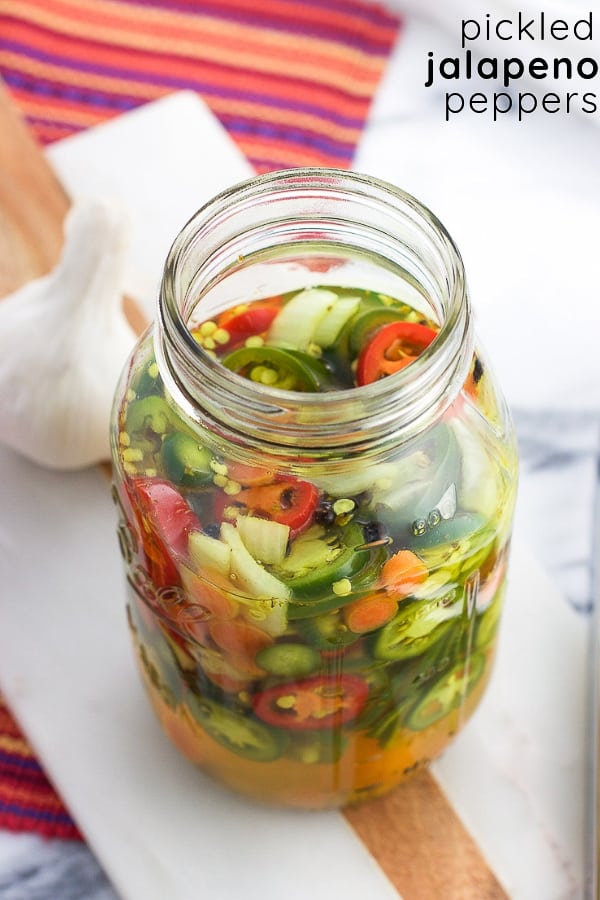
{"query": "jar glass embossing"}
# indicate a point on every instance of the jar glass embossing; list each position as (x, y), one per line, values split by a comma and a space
(315, 473)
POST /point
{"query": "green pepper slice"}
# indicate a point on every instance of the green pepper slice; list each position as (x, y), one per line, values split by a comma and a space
(275, 367)
(237, 733)
(288, 660)
(185, 461)
(317, 558)
(149, 381)
(447, 693)
(316, 563)
(417, 626)
(151, 412)
(162, 671)
(449, 531)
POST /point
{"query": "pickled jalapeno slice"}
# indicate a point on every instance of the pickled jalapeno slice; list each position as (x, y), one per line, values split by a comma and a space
(446, 694)
(393, 347)
(313, 703)
(243, 322)
(185, 461)
(278, 368)
(416, 627)
(289, 660)
(289, 501)
(150, 413)
(240, 734)
(318, 559)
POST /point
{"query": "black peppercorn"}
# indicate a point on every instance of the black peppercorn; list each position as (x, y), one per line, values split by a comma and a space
(324, 514)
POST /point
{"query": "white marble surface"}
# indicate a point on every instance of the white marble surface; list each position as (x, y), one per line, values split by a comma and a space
(523, 203)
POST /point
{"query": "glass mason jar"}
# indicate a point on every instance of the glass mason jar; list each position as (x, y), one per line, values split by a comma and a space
(315, 577)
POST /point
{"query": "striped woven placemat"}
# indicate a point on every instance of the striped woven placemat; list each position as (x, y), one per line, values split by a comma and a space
(292, 81)
(28, 802)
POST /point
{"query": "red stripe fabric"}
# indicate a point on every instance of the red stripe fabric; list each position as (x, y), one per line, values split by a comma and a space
(28, 802)
(291, 80)
(292, 83)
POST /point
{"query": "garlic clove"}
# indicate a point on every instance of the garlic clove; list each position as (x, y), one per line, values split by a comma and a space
(64, 340)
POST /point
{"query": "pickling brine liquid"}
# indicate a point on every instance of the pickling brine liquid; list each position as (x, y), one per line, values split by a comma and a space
(313, 633)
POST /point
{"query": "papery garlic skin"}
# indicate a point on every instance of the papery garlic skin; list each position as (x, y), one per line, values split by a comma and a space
(64, 340)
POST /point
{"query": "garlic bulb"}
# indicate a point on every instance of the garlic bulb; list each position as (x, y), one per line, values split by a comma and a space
(63, 342)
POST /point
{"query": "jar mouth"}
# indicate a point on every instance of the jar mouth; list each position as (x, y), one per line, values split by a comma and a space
(290, 205)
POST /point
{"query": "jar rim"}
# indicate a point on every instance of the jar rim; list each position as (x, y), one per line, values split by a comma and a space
(183, 361)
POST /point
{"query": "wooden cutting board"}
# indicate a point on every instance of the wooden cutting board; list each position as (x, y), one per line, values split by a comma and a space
(414, 834)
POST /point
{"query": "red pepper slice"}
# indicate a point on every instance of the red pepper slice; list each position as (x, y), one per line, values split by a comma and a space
(312, 703)
(255, 320)
(164, 521)
(288, 500)
(393, 347)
